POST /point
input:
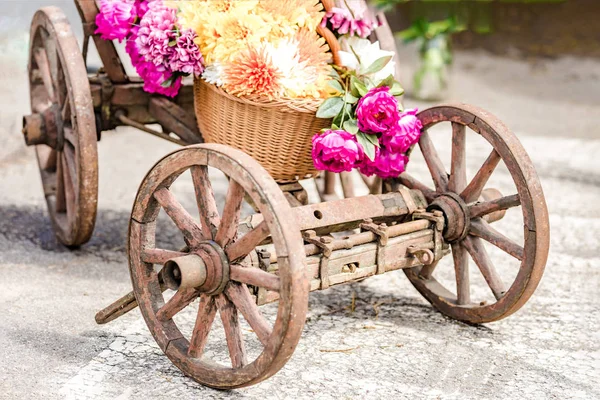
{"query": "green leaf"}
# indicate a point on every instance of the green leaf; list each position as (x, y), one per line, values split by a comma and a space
(173, 43)
(330, 107)
(367, 145)
(377, 65)
(372, 138)
(355, 54)
(334, 74)
(389, 81)
(358, 88)
(396, 89)
(334, 127)
(348, 98)
(351, 126)
(336, 85)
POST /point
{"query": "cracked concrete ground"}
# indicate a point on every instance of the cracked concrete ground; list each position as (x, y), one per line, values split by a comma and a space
(393, 344)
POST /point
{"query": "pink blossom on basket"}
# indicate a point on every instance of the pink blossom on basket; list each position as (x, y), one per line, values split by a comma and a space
(157, 30)
(343, 23)
(404, 134)
(186, 56)
(142, 7)
(115, 19)
(377, 111)
(387, 164)
(153, 76)
(336, 151)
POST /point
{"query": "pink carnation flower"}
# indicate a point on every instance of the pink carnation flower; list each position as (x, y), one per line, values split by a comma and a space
(186, 56)
(153, 76)
(387, 164)
(115, 19)
(404, 134)
(343, 23)
(156, 32)
(377, 111)
(336, 151)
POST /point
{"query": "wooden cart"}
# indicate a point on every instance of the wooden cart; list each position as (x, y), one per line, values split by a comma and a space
(288, 248)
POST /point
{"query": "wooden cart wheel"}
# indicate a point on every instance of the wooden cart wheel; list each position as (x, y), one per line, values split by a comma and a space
(214, 257)
(62, 126)
(466, 217)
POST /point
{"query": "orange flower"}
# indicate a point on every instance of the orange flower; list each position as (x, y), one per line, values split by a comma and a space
(313, 49)
(253, 73)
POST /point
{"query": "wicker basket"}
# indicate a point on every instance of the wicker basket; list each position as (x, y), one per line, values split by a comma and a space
(278, 134)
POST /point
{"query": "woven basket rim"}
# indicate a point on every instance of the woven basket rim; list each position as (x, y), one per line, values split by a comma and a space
(298, 105)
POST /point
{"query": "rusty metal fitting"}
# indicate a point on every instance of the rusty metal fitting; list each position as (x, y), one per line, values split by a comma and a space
(184, 272)
(425, 256)
(455, 211)
(43, 128)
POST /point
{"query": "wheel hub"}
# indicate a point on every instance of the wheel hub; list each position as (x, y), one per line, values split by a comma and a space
(456, 214)
(206, 270)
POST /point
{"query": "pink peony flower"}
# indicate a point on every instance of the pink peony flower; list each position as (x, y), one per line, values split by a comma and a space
(115, 19)
(343, 23)
(387, 164)
(404, 134)
(377, 111)
(336, 151)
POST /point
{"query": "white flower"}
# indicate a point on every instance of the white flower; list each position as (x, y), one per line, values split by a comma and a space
(213, 74)
(368, 53)
(296, 76)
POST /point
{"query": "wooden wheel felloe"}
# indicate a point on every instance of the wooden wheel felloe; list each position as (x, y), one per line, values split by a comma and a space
(212, 266)
(469, 215)
(62, 127)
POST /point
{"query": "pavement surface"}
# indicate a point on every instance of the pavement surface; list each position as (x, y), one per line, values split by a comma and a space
(390, 344)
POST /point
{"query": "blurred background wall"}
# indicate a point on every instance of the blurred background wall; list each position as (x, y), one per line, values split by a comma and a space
(517, 28)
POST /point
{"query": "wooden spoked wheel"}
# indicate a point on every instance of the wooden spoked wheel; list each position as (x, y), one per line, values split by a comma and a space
(62, 127)
(466, 214)
(215, 252)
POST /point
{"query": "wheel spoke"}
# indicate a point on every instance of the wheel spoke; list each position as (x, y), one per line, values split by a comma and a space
(487, 207)
(477, 251)
(233, 332)
(461, 269)
(41, 59)
(209, 214)
(204, 320)
(241, 297)
(184, 221)
(254, 277)
(412, 183)
(178, 302)
(69, 158)
(70, 136)
(50, 164)
(458, 172)
(427, 270)
(61, 201)
(68, 182)
(434, 163)
(475, 187)
(66, 110)
(482, 229)
(243, 246)
(160, 256)
(231, 214)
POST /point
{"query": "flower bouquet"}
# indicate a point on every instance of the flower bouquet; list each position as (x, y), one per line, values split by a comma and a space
(295, 84)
